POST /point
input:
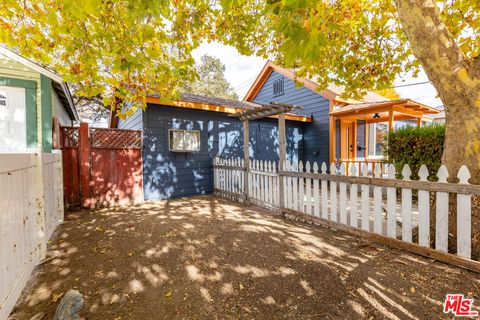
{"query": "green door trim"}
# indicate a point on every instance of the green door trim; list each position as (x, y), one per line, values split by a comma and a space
(30, 106)
(46, 101)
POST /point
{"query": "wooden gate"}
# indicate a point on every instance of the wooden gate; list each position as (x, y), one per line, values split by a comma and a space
(102, 167)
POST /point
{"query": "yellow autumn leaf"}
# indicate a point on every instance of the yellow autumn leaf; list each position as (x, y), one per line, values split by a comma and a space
(57, 296)
(168, 294)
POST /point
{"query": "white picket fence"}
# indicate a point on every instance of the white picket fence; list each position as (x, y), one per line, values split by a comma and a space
(365, 202)
(31, 206)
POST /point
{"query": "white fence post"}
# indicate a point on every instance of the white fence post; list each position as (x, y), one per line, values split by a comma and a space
(343, 196)
(441, 228)
(423, 210)
(353, 199)
(333, 194)
(406, 206)
(316, 192)
(365, 201)
(324, 193)
(308, 190)
(391, 206)
(464, 217)
(377, 202)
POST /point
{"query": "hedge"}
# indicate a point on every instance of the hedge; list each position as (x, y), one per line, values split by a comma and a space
(416, 146)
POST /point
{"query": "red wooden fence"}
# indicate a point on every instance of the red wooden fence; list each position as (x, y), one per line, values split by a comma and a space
(102, 167)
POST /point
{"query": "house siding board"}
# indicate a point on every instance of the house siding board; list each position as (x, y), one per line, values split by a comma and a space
(59, 110)
(316, 141)
(173, 174)
(133, 122)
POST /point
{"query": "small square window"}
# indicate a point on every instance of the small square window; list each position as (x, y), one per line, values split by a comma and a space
(278, 87)
(183, 140)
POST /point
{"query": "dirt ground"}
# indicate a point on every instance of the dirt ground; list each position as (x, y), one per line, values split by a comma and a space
(207, 258)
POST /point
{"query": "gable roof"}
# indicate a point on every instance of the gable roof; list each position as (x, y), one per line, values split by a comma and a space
(331, 93)
(61, 88)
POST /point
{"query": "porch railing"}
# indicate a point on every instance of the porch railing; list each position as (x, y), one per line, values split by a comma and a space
(370, 165)
(382, 205)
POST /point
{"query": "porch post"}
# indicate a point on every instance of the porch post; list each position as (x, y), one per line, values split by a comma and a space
(282, 155)
(333, 146)
(246, 157)
(419, 122)
(391, 123)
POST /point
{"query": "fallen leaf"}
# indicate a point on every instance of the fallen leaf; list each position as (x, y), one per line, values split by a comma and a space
(56, 296)
(412, 290)
(241, 286)
(169, 294)
(130, 254)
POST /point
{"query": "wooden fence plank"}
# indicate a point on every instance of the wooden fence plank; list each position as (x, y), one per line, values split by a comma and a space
(441, 228)
(365, 201)
(423, 210)
(316, 192)
(333, 195)
(464, 217)
(343, 197)
(377, 203)
(301, 190)
(391, 206)
(406, 206)
(324, 193)
(353, 199)
(308, 190)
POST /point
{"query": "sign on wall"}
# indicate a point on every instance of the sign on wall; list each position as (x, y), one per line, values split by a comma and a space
(3, 98)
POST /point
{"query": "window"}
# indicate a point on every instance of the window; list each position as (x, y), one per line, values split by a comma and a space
(183, 140)
(278, 87)
(377, 133)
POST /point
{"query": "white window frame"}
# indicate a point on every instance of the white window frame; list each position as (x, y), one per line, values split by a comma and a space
(182, 148)
(374, 146)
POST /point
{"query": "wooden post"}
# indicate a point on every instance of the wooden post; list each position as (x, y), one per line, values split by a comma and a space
(246, 157)
(282, 156)
(84, 149)
(391, 123)
(419, 122)
(333, 134)
(354, 142)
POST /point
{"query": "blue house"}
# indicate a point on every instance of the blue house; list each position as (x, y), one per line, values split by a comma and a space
(341, 130)
(181, 139)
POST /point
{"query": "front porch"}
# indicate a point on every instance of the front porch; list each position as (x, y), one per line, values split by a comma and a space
(358, 130)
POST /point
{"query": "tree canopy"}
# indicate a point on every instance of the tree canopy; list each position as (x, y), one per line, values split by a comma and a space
(127, 49)
(211, 79)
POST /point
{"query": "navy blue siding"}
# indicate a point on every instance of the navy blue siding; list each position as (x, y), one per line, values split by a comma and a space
(133, 122)
(170, 174)
(316, 134)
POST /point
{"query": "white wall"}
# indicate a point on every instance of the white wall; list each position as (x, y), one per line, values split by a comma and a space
(59, 111)
(31, 206)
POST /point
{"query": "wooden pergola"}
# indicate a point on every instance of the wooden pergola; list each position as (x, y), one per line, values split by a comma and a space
(374, 112)
(266, 110)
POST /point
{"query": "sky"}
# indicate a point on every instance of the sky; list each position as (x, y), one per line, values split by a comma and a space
(242, 70)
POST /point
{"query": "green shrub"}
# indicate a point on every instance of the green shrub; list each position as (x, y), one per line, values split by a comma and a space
(416, 146)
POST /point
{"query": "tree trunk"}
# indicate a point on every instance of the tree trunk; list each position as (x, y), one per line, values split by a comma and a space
(457, 80)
